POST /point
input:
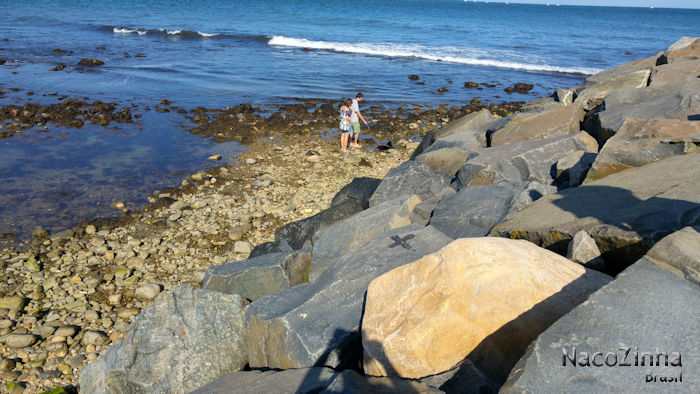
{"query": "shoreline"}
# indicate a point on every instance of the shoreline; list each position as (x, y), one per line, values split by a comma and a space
(242, 124)
(87, 281)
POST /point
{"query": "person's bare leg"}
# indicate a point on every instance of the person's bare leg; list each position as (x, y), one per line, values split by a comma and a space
(344, 141)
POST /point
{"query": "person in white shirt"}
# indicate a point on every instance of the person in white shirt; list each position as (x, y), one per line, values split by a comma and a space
(355, 118)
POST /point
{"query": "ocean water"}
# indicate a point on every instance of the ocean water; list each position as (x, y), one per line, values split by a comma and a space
(220, 53)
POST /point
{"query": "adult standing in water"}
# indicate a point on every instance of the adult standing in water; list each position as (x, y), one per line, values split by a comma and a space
(355, 117)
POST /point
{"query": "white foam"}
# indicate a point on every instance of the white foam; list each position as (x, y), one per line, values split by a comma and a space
(123, 30)
(173, 32)
(468, 56)
(207, 34)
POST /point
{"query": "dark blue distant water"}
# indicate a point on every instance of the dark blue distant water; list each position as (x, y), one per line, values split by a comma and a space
(219, 53)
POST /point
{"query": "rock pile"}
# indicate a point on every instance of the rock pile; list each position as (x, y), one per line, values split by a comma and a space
(406, 294)
(406, 288)
(70, 113)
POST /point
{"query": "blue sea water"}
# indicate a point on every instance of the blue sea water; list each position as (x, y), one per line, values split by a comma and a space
(220, 53)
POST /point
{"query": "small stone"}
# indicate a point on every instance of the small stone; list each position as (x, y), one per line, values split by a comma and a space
(148, 291)
(7, 365)
(122, 273)
(90, 62)
(43, 331)
(40, 233)
(76, 361)
(13, 302)
(32, 265)
(175, 216)
(90, 229)
(118, 205)
(91, 356)
(242, 247)
(114, 298)
(12, 387)
(56, 347)
(250, 161)
(92, 315)
(178, 205)
(197, 177)
(199, 204)
(313, 158)
(126, 314)
(583, 250)
(66, 331)
(214, 157)
(135, 262)
(18, 341)
(238, 232)
(65, 369)
(97, 338)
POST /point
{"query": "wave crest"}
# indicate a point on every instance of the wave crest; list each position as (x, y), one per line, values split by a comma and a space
(468, 56)
(164, 32)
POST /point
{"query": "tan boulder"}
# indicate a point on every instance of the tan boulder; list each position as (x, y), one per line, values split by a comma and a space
(684, 48)
(447, 160)
(686, 68)
(636, 65)
(644, 141)
(482, 298)
(552, 123)
(597, 92)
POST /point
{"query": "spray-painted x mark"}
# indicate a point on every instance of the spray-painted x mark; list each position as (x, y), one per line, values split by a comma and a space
(399, 241)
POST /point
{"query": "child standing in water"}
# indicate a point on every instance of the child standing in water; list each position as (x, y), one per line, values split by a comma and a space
(345, 124)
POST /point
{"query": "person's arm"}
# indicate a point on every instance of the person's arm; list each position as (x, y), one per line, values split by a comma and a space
(359, 114)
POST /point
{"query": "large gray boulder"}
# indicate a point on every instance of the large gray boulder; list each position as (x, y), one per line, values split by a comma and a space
(352, 198)
(679, 253)
(411, 177)
(349, 235)
(318, 323)
(555, 122)
(350, 381)
(674, 100)
(184, 340)
(464, 378)
(626, 213)
(637, 65)
(300, 233)
(473, 124)
(632, 80)
(291, 381)
(643, 141)
(454, 142)
(684, 48)
(259, 276)
(614, 339)
(548, 103)
(473, 211)
(359, 189)
(447, 159)
(522, 162)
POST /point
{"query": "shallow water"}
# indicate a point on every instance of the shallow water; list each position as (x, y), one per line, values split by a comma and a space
(55, 179)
